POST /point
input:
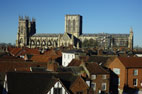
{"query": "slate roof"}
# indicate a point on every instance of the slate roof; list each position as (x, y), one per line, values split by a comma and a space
(73, 51)
(73, 69)
(104, 34)
(131, 62)
(94, 68)
(98, 59)
(75, 62)
(37, 82)
(29, 83)
(46, 35)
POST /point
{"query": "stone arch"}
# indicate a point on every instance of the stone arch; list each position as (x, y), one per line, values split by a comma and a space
(43, 43)
(49, 43)
(38, 42)
(32, 42)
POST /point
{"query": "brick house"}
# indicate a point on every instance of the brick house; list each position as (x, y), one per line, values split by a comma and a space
(98, 78)
(129, 73)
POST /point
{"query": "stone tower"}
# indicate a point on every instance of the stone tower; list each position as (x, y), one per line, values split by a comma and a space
(73, 25)
(130, 40)
(26, 28)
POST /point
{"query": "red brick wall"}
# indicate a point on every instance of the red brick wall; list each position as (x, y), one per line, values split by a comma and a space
(99, 80)
(131, 77)
(79, 85)
(117, 64)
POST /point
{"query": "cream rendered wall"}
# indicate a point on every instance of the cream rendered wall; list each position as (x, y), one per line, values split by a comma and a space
(67, 58)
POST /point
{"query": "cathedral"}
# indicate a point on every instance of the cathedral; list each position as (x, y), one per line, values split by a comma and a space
(73, 36)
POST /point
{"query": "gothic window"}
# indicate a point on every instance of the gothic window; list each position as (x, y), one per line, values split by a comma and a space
(21, 40)
(69, 25)
(38, 43)
(49, 43)
(21, 30)
(32, 42)
(43, 43)
(73, 25)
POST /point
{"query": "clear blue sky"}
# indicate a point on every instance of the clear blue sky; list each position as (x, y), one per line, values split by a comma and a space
(108, 16)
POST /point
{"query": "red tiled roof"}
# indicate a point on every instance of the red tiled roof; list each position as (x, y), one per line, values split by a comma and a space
(10, 63)
(6, 66)
(22, 51)
(40, 58)
(131, 62)
(75, 62)
(30, 51)
(50, 52)
(15, 51)
(53, 52)
(94, 68)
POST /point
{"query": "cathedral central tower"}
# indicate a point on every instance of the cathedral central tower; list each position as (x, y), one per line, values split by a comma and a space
(73, 25)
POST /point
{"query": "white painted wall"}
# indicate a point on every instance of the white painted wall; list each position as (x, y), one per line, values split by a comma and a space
(58, 85)
(67, 58)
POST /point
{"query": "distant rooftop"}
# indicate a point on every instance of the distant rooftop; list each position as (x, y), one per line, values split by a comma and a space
(46, 35)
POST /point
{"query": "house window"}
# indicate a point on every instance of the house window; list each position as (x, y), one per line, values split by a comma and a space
(103, 76)
(57, 90)
(93, 85)
(93, 76)
(88, 83)
(68, 56)
(119, 81)
(103, 86)
(80, 92)
(135, 72)
(116, 71)
(135, 82)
